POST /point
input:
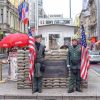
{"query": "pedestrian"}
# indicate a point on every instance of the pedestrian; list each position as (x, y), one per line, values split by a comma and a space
(39, 64)
(74, 63)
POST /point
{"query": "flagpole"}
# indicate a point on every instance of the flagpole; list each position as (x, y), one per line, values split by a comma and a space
(36, 16)
(70, 8)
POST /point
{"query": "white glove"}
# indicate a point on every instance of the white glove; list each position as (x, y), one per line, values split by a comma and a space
(68, 66)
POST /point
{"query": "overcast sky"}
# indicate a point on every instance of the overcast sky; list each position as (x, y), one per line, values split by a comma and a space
(62, 7)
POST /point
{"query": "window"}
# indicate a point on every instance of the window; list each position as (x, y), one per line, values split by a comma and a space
(67, 40)
(39, 2)
(7, 18)
(10, 19)
(1, 15)
(14, 22)
(43, 40)
(54, 41)
(49, 22)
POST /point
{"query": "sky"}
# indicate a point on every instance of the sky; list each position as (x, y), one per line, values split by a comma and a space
(62, 7)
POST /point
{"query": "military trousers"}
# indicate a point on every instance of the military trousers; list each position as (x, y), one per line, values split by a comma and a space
(37, 84)
(75, 79)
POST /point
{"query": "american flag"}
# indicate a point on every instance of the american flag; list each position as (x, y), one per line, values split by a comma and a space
(84, 57)
(25, 12)
(32, 54)
(20, 11)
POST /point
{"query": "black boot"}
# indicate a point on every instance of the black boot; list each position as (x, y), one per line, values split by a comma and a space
(34, 91)
(40, 91)
(79, 90)
(70, 91)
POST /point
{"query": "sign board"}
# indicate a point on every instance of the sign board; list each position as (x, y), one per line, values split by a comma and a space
(54, 21)
(55, 69)
(56, 16)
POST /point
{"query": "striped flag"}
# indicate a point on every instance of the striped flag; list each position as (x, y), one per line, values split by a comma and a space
(23, 10)
(20, 11)
(84, 57)
(32, 54)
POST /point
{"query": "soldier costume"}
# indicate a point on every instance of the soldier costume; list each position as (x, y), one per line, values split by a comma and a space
(39, 67)
(74, 62)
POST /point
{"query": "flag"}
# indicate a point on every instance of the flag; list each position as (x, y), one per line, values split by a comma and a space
(25, 12)
(84, 56)
(32, 54)
(20, 11)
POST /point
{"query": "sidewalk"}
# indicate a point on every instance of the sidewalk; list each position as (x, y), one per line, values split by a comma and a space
(9, 91)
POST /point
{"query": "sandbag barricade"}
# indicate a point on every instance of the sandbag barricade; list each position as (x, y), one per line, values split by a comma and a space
(23, 81)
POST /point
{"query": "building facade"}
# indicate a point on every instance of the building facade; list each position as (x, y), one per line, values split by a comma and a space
(9, 19)
(32, 13)
(36, 12)
(55, 35)
(88, 18)
(40, 8)
(98, 18)
(56, 31)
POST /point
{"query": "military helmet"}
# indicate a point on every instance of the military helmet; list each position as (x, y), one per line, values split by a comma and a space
(74, 37)
(38, 36)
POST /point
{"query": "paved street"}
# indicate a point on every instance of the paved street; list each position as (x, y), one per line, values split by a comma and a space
(96, 67)
(5, 70)
(5, 67)
(9, 91)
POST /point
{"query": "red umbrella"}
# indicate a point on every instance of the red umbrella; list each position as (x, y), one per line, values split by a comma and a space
(4, 45)
(17, 39)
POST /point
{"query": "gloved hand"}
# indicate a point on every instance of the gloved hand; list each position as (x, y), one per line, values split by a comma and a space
(68, 66)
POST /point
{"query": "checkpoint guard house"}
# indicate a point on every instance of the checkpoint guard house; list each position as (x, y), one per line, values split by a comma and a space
(56, 31)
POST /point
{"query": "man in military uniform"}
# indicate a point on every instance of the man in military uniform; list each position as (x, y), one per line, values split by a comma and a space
(39, 66)
(74, 62)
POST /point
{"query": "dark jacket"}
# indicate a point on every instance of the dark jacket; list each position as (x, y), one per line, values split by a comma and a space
(74, 57)
(40, 54)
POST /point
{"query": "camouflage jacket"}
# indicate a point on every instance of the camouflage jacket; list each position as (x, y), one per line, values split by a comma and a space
(74, 57)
